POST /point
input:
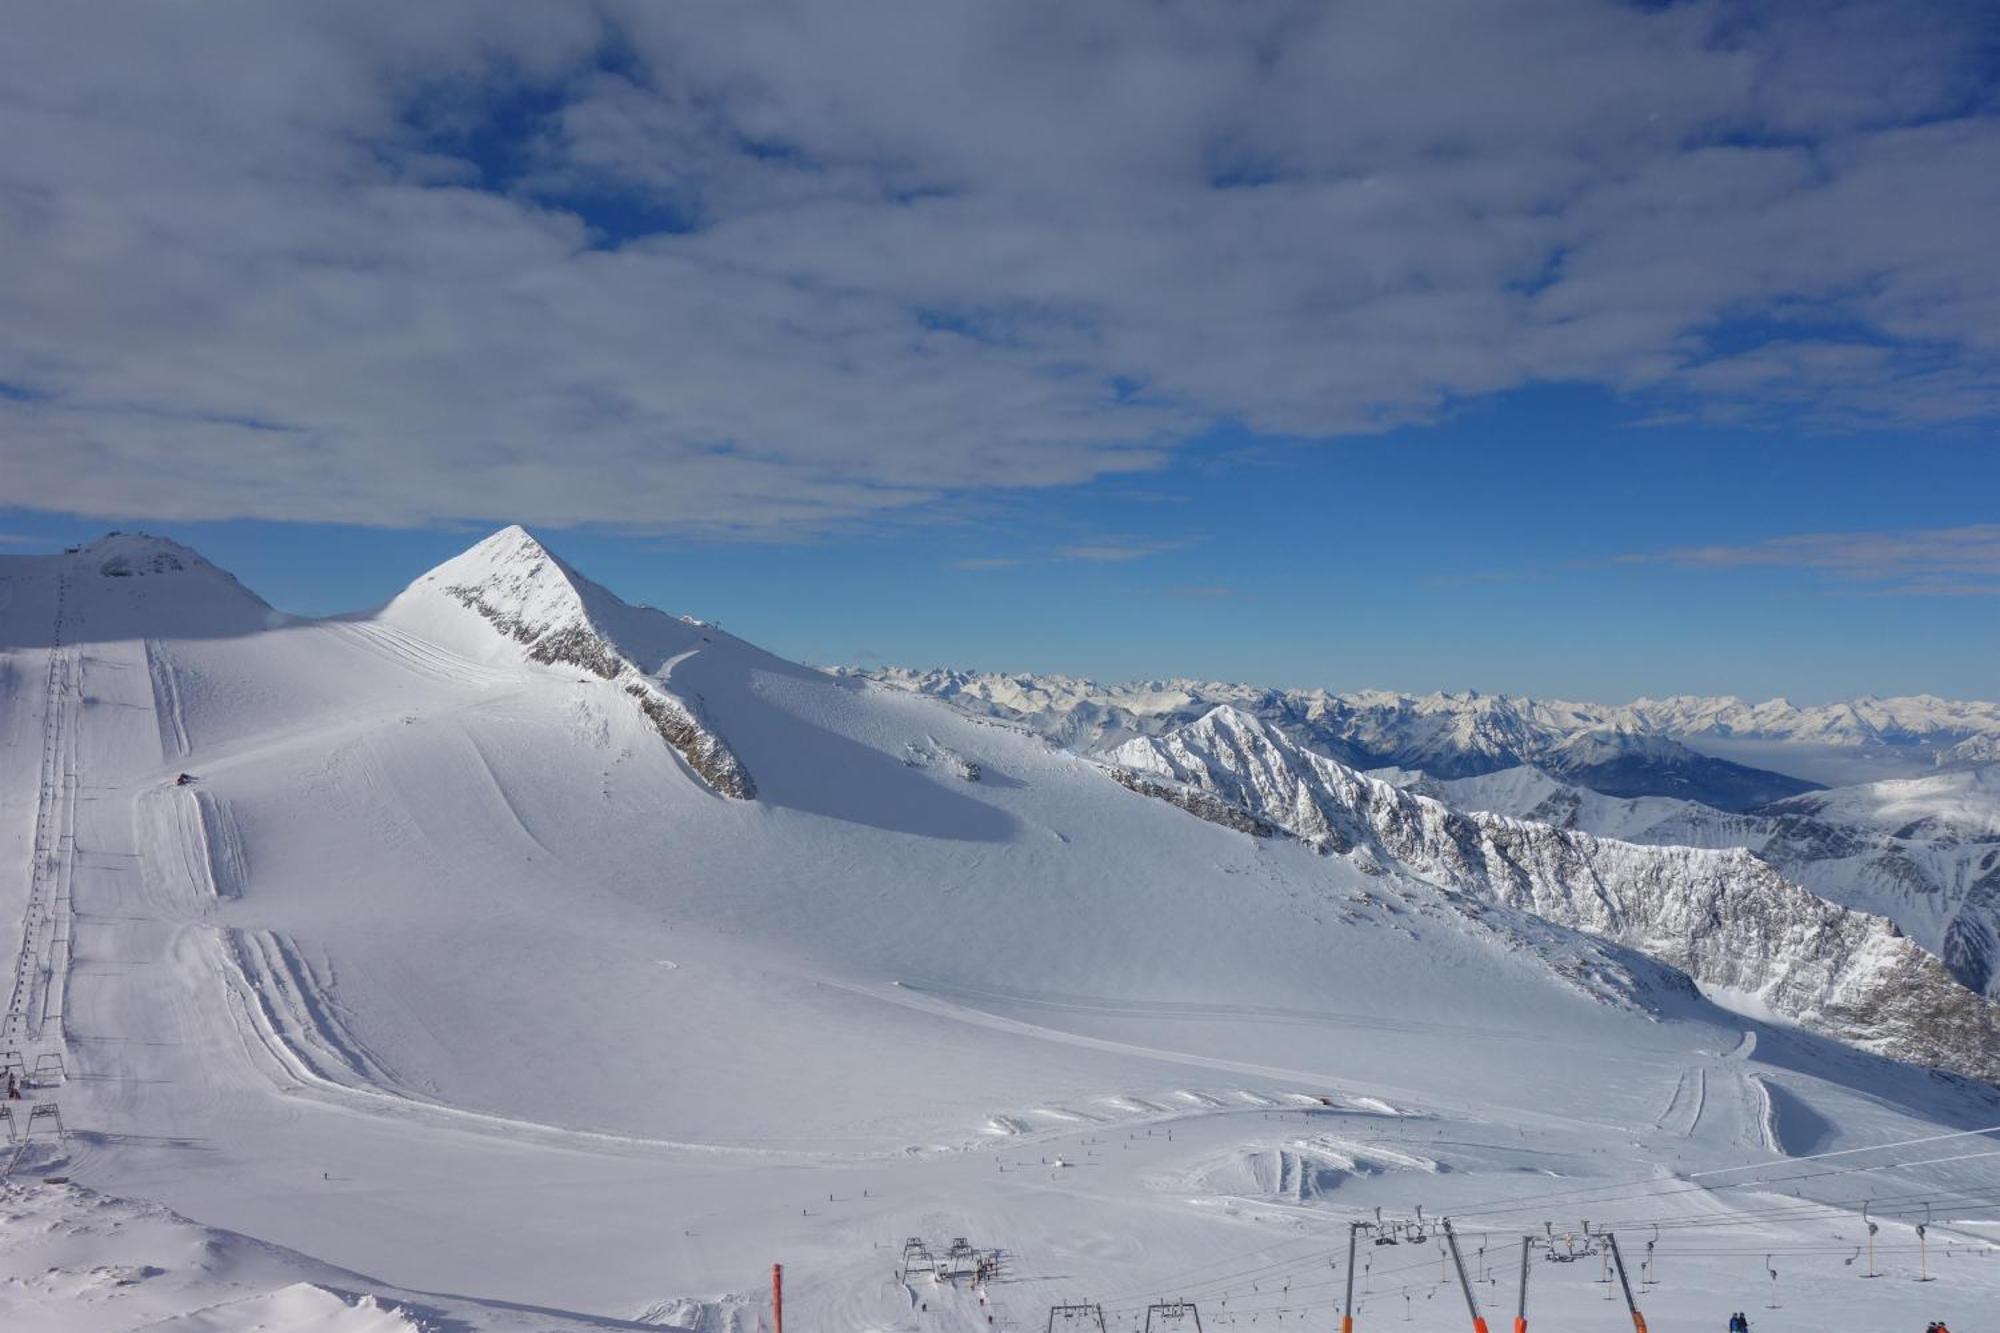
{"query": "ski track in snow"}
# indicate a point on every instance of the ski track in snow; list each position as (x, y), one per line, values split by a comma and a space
(33, 1030)
(174, 741)
(426, 659)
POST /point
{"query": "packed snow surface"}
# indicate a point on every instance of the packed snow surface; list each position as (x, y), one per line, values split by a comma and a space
(402, 974)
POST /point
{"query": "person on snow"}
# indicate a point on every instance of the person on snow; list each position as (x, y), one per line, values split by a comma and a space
(13, 1087)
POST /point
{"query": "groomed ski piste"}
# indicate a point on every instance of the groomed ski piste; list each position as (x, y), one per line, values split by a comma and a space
(445, 993)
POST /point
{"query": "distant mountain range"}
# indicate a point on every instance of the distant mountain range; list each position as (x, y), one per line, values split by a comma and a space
(1649, 747)
(1922, 851)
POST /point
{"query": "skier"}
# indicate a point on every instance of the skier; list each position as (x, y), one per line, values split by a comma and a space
(13, 1087)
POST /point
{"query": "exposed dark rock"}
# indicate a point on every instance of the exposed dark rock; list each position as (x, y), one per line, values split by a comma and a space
(1199, 804)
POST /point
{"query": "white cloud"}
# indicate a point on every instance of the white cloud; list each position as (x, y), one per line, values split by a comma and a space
(1116, 550)
(1957, 561)
(249, 265)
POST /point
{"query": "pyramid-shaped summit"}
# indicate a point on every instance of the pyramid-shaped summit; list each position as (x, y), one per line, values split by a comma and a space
(528, 595)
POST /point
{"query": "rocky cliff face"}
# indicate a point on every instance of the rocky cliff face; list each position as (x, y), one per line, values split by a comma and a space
(1924, 852)
(1726, 918)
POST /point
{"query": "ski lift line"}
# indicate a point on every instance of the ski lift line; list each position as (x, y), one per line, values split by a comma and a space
(1210, 1287)
(1529, 1203)
(1475, 1209)
(1801, 1210)
(1289, 1299)
(1805, 1207)
(1849, 1152)
(1296, 1286)
(1257, 1271)
(1532, 1203)
(1788, 1180)
(1428, 1290)
(1271, 1302)
(1802, 1216)
(1340, 1279)
(1831, 1249)
(1274, 1268)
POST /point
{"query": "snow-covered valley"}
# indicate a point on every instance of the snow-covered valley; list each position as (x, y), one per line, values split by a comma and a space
(512, 957)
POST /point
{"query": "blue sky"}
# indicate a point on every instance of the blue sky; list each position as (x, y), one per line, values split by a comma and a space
(1491, 552)
(1567, 347)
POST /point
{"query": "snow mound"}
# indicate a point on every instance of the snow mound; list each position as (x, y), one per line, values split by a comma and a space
(299, 1308)
(1301, 1170)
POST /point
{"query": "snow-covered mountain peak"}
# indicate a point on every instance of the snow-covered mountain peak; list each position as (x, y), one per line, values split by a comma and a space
(1603, 745)
(538, 605)
(142, 555)
(515, 579)
(135, 585)
(163, 570)
(512, 549)
(1229, 719)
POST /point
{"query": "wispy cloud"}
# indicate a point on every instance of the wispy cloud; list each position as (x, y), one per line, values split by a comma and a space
(1937, 562)
(767, 279)
(1114, 552)
(1476, 577)
(1115, 549)
(1938, 588)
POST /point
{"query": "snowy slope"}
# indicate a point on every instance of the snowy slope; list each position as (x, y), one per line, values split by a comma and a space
(452, 970)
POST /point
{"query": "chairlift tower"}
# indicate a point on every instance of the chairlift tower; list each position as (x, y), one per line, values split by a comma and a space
(1081, 1318)
(917, 1258)
(961, 1260)
(1176, 1313)
(45, 1111)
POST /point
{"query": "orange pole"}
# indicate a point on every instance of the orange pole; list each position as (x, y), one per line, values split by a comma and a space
(1458, 1262)
(777, 1298)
